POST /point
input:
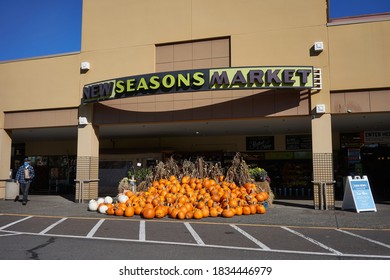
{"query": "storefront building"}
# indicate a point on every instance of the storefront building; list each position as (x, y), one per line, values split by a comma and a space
(305, 98)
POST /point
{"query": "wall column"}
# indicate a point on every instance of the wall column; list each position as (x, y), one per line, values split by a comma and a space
(87, 156)
(322, 161)
(5, 155)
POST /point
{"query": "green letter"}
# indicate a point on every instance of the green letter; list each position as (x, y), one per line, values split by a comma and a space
(120, 86)
(168, 81)
(182, 79)
(142, 85)
(154, 82)
(130, 85)
(198, 79)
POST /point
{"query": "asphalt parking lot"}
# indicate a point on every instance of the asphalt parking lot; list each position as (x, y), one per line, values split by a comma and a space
(289, 230)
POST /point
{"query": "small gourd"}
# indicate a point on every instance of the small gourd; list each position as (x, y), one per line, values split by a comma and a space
(227, 212)
(122, 198)
(93, 205)
(148, 213)
(108, 199)
(103, 209)
(100, 200)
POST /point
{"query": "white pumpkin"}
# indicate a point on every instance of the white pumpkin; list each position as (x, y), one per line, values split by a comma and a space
(93, 205)
(100, 200)
(122, 198)
(108, 199)
(103, 209)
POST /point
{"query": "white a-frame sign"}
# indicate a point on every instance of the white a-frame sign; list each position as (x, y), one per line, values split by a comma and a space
(357, 195)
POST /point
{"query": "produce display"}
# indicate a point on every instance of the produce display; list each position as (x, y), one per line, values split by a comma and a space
(188, 197)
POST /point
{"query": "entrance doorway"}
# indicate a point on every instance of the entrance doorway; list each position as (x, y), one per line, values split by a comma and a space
(376, 165)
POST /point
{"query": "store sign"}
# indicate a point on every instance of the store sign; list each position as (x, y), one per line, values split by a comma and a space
(357, 195)
(376, 136)
(298, 142)
(258, 143)
(200, 80)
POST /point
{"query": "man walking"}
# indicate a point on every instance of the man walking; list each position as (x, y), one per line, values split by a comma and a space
(24, 176)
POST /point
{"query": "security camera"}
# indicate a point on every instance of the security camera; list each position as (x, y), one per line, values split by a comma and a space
(349, 111)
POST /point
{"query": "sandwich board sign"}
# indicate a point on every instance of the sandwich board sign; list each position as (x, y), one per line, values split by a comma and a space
(357, 195)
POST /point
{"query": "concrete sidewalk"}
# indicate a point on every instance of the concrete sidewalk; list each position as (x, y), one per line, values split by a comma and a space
(282, 213)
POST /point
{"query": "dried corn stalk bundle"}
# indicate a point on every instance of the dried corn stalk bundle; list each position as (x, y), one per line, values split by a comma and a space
(201, 168)
(238, 172)
(188, 168)
(160, 171)
(171, 168)
(216, 171)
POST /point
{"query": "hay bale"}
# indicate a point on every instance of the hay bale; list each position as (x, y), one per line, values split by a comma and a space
(265, 187)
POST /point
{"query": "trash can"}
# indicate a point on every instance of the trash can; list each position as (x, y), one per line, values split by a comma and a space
(11, 189)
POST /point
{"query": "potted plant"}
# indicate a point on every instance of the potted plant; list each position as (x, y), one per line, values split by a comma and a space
(258, 174)
(139, 174)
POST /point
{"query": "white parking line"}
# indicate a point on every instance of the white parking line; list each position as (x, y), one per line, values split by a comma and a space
(250, 237)
(222, 247)
(95, 228)
(14, 223)
(194, 234)
(52, 226)
(365, 238)
(10, 234)
(142, 232)
(313, 241)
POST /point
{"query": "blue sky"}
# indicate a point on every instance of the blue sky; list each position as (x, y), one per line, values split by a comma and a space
(31, 28)
(345, 8)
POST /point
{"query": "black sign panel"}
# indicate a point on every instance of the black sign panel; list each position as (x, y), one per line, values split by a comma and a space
(260, 143)
(298, 142)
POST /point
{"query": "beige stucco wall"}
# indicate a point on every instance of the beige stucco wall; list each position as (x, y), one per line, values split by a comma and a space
(5, 155)
(40, 83)
(359, 55)
(108, 25)
(261, 32)
(119, 40)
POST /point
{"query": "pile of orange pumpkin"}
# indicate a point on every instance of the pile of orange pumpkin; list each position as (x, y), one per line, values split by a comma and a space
(189, 198)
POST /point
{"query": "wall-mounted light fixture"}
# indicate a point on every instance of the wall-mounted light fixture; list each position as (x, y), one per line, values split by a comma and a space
(320, 108)
(318, 46)
(85, 66)
(83, 121)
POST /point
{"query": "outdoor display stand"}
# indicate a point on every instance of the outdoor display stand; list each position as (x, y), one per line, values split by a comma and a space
(357, 195)
(81, 188)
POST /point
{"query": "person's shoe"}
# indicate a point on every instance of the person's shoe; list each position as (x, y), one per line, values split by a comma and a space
(16, 198)
(24, 202)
